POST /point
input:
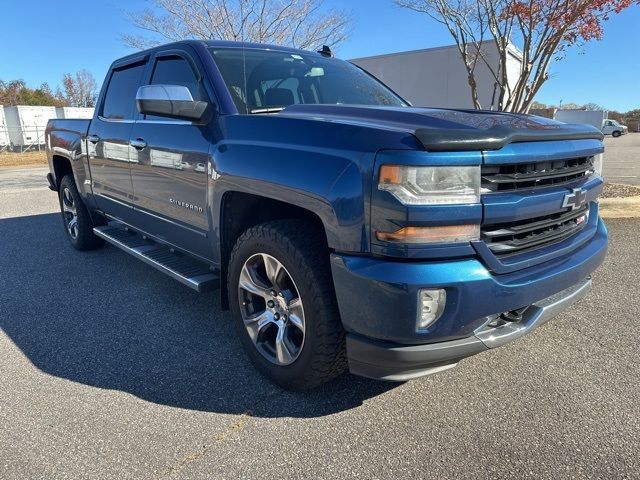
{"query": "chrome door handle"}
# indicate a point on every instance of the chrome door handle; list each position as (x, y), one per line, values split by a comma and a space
(93, 138)
(138, 144)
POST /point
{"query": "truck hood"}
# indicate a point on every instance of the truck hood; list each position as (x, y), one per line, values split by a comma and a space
(449, 130)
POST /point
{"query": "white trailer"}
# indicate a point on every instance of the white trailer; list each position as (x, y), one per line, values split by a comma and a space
(437, 77)
(588, 117)
(4, 133)
(74, 112)
(26, 124)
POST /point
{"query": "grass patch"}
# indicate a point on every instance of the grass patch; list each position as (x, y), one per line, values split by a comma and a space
(28, 159)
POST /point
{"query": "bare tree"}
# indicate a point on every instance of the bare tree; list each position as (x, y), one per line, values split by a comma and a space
(540, 29)
(593, 106)
(296, 23)
(81, 89)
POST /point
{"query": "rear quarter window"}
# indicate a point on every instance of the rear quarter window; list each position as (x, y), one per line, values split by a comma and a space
(120, 99)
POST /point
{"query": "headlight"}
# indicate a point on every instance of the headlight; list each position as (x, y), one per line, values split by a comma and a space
(418, 185)
(597, 163)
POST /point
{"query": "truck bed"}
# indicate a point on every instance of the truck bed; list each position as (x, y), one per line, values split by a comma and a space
(79, 126)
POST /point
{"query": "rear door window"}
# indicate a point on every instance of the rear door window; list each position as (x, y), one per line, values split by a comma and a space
(120, 99)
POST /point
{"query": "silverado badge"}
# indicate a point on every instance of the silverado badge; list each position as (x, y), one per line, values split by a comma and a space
(188, 206)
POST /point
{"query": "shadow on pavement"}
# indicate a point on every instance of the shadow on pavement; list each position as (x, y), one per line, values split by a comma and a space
(106, 320)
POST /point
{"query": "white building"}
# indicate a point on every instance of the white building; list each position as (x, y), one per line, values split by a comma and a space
(437, 77)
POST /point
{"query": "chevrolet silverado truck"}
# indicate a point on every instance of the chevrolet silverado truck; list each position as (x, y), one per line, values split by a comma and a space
(344, 228)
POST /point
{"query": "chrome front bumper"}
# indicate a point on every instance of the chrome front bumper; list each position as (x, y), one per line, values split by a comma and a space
(537, 314)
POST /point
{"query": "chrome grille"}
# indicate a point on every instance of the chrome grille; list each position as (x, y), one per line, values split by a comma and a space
(527, 176)
(506, 239)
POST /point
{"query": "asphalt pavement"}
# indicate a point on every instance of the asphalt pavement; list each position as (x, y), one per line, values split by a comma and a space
(622, 159)
(108, 369)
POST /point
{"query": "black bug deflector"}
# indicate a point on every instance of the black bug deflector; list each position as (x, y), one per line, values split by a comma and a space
(497, 137)
(450, 130)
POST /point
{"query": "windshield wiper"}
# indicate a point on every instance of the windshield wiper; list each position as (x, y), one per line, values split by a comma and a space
(266, 110)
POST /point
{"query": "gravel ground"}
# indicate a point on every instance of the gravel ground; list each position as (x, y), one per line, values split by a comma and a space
(618, 190)
(111, 370)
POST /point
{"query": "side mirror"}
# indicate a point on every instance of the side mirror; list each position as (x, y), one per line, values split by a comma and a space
(172, 101)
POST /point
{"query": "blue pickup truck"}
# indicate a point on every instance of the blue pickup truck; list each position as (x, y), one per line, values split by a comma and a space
(344, 228)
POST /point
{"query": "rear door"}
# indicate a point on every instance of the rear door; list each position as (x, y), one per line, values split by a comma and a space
(108, 141)
(170, 174)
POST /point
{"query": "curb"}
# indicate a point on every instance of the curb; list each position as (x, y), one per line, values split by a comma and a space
(625, 207)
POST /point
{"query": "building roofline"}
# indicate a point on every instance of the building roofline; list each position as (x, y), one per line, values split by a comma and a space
(511, 48)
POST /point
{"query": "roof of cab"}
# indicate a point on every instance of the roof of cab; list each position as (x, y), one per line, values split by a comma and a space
(260, 46)
(209, 43)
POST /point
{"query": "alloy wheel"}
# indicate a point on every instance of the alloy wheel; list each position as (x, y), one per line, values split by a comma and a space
(271, 309)
(70, 213)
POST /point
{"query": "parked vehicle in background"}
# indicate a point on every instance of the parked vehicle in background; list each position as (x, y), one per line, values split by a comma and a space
(597, 118)
(26, 124)
(342, 226)
(4, 131)
(611, 127)
(74, 112)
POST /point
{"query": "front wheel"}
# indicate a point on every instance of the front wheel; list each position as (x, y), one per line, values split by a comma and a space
(76, 218)
(283, 304)
(616, 134)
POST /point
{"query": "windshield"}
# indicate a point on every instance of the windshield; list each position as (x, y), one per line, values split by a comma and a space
(277, 79)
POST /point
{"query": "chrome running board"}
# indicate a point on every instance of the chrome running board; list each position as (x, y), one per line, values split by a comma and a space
(187, 270)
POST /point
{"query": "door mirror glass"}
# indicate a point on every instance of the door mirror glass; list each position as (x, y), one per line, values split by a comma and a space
(171, 101)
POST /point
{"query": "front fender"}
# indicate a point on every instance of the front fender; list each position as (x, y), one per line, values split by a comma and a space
(329, 186)
(322, 166)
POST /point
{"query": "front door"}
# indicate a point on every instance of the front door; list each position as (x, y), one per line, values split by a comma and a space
(169, 175)
(108, 142)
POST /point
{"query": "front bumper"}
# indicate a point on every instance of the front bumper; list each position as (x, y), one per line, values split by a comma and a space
(378, 305)
(384, 361)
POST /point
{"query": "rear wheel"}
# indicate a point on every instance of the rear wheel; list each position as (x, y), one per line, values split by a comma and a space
(283, 304)
(76, 218)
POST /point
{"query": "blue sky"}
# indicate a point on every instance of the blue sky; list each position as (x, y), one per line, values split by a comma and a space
(66, 36)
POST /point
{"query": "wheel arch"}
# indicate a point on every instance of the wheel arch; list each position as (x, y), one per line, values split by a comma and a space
(61, 167)
(240, 211)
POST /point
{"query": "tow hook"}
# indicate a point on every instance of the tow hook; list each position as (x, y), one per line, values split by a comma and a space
(513, 315)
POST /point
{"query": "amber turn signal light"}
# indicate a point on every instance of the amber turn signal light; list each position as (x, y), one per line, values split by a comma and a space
(390, 174)
(444, 234)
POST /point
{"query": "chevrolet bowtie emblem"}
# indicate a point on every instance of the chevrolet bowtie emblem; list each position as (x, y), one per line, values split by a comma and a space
(575, 199)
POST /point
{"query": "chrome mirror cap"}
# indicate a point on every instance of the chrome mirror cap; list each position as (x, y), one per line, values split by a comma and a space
(172, 101)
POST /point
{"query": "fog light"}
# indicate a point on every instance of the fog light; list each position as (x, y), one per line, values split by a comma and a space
(431, 304)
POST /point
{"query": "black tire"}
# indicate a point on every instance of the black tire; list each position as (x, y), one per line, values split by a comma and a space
(80, 236)
(297, 246)
(616, 134)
